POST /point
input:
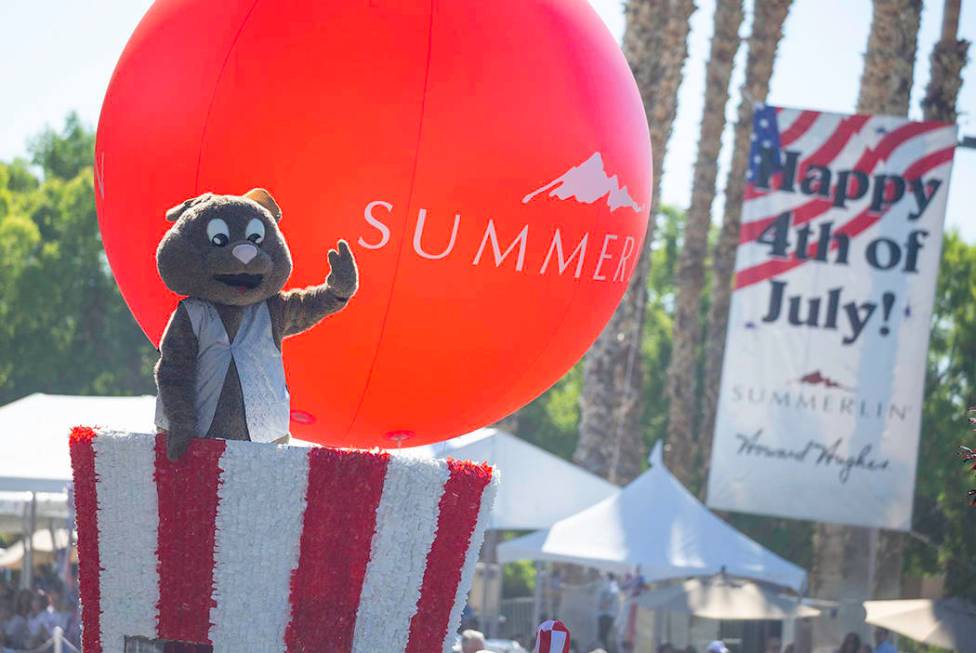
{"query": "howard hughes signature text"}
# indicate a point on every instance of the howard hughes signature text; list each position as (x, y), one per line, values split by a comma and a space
(814, 453)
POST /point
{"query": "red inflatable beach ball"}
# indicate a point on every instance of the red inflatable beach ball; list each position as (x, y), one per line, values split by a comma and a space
(488, 162)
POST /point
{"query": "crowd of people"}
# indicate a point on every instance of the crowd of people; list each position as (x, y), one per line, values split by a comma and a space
(882, 643)
(29, 617)
(473, 641)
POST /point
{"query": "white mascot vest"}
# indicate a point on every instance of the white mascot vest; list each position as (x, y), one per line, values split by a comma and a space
(259, 366)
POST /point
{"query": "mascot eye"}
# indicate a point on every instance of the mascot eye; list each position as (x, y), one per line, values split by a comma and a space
(217, 232)
(255, 231)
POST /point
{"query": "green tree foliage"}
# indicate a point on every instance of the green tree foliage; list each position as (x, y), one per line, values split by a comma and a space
(944, 523)
(66, 154)
(518, 578)
(63, 325)
(658, 324)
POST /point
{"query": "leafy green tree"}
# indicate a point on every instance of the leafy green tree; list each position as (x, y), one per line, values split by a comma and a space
(944, 524)
(65, 154)
(63, 325)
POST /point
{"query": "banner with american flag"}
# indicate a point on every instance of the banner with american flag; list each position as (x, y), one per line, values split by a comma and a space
(821, 393)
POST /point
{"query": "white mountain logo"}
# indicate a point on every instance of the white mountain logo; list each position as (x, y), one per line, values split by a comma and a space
(586, 183)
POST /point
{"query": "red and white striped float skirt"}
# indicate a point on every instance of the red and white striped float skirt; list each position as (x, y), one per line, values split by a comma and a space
(253, 547)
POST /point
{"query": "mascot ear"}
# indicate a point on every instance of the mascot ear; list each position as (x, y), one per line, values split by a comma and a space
(264, 198)
(174, 213)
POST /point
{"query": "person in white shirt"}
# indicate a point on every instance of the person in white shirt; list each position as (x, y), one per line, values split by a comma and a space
(608, 608)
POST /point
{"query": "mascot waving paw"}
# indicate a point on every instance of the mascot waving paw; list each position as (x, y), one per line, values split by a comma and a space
(220, 373)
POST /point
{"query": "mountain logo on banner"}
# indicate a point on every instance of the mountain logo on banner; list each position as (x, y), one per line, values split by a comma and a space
(587, 183)
(816, 378)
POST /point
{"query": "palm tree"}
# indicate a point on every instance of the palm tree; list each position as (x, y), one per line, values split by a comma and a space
(949, 57)
(767, 31)
(690, 277)
(610, 443)
(843, 555)
(889, 63)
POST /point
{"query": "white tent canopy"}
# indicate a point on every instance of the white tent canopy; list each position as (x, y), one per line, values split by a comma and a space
(721, 597)
(34, 435)
(537, 488)
(45, 544)
(15, 508)
(656, 525)
(946, 623)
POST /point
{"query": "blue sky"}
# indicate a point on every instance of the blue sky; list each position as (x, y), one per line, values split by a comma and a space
(58, 55)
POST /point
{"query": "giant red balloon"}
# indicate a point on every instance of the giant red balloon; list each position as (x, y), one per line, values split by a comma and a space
(419, 131)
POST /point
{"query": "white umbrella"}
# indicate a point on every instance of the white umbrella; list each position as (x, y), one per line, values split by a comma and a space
(44, 549)
(947, 623)
(726, 598)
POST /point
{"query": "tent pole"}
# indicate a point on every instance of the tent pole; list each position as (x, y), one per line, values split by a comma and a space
(27, 571)
(24, 527)
(489, 614)
(54, 540)
(788, 636)
(540, 579)
(485, 582)
(658, 627)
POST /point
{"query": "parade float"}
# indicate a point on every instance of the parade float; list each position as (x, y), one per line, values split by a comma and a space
(481, 175)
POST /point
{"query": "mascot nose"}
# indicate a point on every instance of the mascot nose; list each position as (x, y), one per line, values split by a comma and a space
(245, 252)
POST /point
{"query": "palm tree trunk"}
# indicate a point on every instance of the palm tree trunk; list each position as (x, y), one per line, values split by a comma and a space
(886, 85)
(610, 443)
(889, 64)
(949, 57)
(767, 31)
(690, 277)
(842, 574)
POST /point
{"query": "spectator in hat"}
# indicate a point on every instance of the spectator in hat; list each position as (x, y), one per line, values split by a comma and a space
(472, 641)
(718, 646)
